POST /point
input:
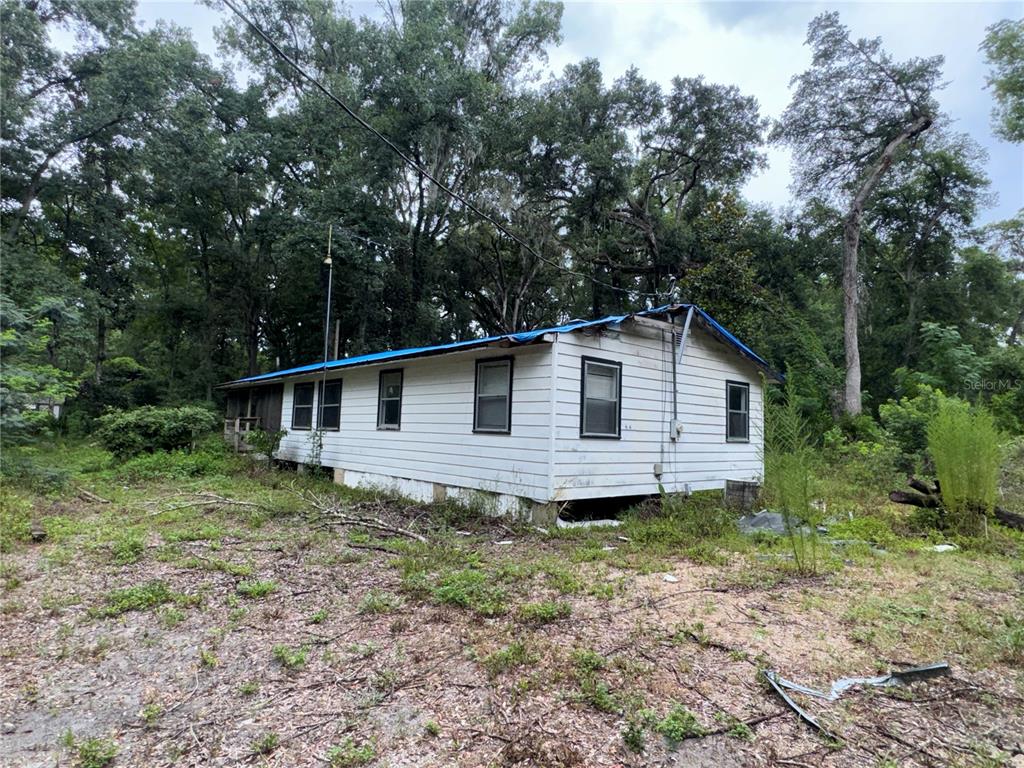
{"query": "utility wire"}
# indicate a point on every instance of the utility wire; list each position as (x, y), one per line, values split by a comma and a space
(413, 164)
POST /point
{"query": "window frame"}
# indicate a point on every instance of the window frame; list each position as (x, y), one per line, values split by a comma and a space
(320, 404)
(584, 360)
(311, 406)
(381, 426)
(484, 361)
(729, 384)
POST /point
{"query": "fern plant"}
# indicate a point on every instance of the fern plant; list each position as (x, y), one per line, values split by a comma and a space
(964, 444)
(790, 482)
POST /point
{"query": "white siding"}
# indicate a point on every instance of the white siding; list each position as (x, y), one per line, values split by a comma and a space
(436, 442)
(700, 459)
(543, 458)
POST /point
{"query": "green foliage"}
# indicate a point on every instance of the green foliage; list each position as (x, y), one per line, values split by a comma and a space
(149, 429)
(679, 724)
(906, 422)
(290, 658)
(681, 521)
(544, 612)
(15, 519)
(94, 752)
(1004, 50)
(790, 465)
(266, 744)
(141, 598)
(348, 754)
(264, 441)
(254, 589)
(472, 589)
(211, 458)
(965, 446)
(377, 601)
(633, 736)
(515, 654)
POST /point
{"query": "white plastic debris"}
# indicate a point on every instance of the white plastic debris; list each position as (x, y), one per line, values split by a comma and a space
(587, 523)
(944, 547)
(670, 578)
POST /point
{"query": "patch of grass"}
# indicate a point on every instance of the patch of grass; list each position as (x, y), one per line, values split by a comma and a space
(249, 688)
(140, 598)
(15, 519)
(217, 564)
(93, 752)
(599, 695)
(317, 617)
(255, 589)
(290, 658)
(128, 547)
(207, 658)
(150, 713)
(377, 601)
(431, 728)
(1010, 640)
(266, 743)
(633, 736)
(544, 612)
(471, 588)
(171, 616)
(679, 724)
(513, 655)
(585, 661)
(348, 754)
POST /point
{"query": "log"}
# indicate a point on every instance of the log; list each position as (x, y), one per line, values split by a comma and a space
(931, 498)
(914, 499)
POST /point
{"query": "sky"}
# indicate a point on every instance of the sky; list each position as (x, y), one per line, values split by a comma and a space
(759, 47)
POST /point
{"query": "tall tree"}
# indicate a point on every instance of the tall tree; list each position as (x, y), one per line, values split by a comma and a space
(852, 115)
(1004, 50)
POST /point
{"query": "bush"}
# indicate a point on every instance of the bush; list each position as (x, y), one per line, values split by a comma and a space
(149, 429)
(210, 457)
(906, 423)
(965, 446)
(15, 519)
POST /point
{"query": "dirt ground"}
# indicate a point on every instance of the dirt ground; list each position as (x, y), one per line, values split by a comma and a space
(189, 632)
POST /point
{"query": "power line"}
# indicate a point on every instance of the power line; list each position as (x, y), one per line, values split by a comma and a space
(413, 164)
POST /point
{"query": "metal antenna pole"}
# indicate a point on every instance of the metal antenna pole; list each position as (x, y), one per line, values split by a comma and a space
(327, 326)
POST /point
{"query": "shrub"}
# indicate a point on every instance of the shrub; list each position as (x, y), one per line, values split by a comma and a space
(15, 519)
(679, 724)
(965, 446)
(348, 754)
(148, 429)
(906, 423)
(290, 658)
(95, 753)
(265, 442)
(210, 457)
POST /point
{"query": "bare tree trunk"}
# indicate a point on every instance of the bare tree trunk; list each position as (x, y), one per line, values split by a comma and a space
(101, 347)
(851, 271)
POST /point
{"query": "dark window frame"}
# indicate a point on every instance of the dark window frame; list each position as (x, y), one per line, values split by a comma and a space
(312, 404)
(380, 399)
(729, 384)
(476, 394)
(320, 403)
(583, 397)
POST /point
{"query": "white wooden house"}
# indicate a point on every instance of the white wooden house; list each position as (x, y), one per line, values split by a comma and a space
(590, 409)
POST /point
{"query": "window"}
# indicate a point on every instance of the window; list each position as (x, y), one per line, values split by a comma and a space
(737, 412)
(389, 401)
(330, 406)
(492, 410)
(600, 403)
(302, 406)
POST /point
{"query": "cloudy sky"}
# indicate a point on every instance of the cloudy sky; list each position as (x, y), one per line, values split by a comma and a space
(757, 46)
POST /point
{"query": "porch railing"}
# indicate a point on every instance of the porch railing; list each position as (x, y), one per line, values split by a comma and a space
(236, 429)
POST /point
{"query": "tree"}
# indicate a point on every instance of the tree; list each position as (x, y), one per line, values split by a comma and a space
(1004, 50)
(853, 114)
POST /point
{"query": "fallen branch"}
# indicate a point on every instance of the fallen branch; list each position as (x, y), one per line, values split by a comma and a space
(930, 497)
(331, 513)
(90, 496)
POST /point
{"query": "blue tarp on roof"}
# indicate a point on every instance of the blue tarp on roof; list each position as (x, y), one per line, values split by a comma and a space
(524, 337)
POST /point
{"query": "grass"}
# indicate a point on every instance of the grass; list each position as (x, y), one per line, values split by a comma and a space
(679, 724)
(377, 601)
(348, 754)
(513, 655)
(92, 752)
(543, 612)
(255, 588)
(290, 658)
(143, 597)
(266, 743)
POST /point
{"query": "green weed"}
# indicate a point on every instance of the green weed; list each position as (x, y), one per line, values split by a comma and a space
(348, 754)
(255, 589)
(679, 724)
(514, 655)
(544, 612)
(377, 601)
(266, 743)
(290, 658)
